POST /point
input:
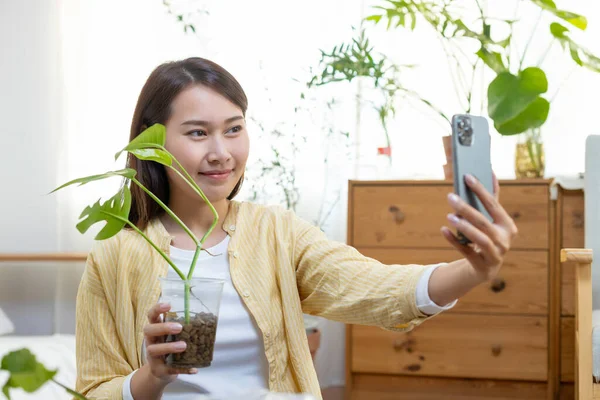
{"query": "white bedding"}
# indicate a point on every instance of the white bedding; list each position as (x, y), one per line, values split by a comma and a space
(55, 352)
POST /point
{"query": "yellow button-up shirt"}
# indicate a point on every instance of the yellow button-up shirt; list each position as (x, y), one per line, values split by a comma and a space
(282, 267)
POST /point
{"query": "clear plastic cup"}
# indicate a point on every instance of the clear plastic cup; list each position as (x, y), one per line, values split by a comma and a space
(200, 323)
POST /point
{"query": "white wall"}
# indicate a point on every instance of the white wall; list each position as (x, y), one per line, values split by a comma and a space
(30, 111)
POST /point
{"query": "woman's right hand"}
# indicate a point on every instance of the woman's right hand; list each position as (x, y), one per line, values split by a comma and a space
(157, 349)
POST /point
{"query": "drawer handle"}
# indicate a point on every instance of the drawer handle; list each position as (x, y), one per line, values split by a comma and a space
(515, 215)
(496, 350)
(498, 285)
(397, 213)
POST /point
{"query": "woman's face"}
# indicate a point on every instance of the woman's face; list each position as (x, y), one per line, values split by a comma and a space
(207, 134)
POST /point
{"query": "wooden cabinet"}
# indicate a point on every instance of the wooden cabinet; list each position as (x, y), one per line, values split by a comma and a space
(501, 341)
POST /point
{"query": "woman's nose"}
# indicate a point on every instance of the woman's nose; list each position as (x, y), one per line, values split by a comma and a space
(218, 151)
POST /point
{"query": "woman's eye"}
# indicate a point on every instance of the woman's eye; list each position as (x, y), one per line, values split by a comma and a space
(196, 133)
(235, 129)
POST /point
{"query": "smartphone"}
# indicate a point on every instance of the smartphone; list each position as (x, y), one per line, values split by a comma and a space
(471, 155)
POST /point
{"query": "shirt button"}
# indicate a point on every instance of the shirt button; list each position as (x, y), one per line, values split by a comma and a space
(232, 227)
(246, 294)
(267, 334)
(235, 254)
(272, 377)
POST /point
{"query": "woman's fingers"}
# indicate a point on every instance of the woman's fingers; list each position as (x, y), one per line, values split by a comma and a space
(156, 311)
(467, 251)
(162, 329)
(488, 248)
(162, 349)
(491, 204)
(469, 213)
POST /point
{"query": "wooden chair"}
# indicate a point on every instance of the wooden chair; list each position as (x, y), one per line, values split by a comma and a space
(585, 388)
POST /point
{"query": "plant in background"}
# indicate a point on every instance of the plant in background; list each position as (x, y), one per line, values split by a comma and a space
(357, 60)
(273, 177)
(28, 374)
(515, 99)
(149, 146)
(187, 18)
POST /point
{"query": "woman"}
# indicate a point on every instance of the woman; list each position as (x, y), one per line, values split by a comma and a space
(276, 266)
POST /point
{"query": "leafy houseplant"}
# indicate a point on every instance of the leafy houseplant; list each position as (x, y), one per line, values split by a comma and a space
(357, 60)
(149, 146)
(515, 99)
(28, 374)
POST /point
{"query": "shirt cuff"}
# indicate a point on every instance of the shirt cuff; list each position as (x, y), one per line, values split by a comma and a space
(424, 302)
(127, 387)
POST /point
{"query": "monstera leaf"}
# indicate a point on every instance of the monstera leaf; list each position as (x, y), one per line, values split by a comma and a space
(28, 374)
(514, 101)
(25, 372)
(126, 173)
(576, 20)
(579, 54)
(115, 211)
(149, 145)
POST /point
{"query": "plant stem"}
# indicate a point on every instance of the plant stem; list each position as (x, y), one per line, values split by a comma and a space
(530, 38)
(191, 235)
(162, 253)
(186, 300)
(194, 186)
(70, 391)
(546, 52)
(470, 94)
(168, 211)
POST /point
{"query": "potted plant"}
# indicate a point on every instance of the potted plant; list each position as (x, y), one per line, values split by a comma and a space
(515, 99)
(357, 60)
(196, 310)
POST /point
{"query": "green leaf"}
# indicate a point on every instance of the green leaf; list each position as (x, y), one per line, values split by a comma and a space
(576, 20)
(374, 18)
(126, 173)
(579, 54)
(533, 116)
(557, 30)
(115, 211)
(25, 372)
(152, 137)
(158, 155)
(492, 60)
(510, 95)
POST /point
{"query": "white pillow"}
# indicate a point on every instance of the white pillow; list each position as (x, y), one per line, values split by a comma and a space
(6, 326)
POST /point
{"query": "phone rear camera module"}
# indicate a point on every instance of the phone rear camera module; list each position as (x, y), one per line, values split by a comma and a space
(465, 136)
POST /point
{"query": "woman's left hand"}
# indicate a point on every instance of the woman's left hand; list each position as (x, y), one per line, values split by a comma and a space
(490, 240)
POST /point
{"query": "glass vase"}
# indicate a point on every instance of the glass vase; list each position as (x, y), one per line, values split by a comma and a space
(529, 156)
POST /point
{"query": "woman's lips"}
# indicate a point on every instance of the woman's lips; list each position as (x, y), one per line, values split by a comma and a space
(217, 175)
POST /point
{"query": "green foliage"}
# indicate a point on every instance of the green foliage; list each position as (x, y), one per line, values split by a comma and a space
(514, 97)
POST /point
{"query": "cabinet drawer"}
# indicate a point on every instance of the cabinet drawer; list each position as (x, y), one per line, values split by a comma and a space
(395, 387)
(520, 288)
(454, 345)
(567, 349)
(408, 214)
